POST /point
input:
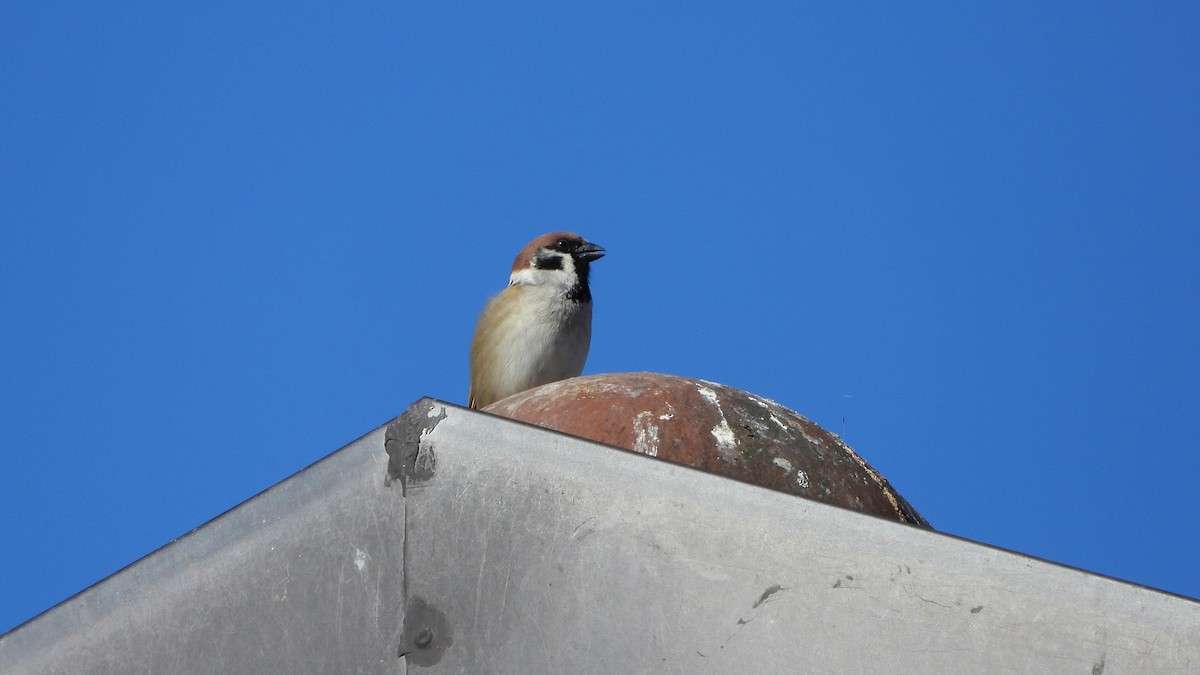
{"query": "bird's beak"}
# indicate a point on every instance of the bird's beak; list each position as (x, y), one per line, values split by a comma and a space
(589, 252)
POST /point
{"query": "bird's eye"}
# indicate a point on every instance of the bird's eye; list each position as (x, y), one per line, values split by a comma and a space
(562, 245)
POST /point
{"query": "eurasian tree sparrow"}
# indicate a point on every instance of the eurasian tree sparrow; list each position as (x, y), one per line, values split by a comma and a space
(539, 328)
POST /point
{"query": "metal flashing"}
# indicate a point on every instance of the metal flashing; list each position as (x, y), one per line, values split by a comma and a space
(518, 550)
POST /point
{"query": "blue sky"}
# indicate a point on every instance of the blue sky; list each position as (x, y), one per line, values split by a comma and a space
(234, 238)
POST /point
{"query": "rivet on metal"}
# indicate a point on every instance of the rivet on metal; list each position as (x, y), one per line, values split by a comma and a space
(424, 638)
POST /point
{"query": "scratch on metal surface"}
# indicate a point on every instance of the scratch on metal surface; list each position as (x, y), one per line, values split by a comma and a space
(508, 570)
(771, 590)
(278, 596)
(934, 602)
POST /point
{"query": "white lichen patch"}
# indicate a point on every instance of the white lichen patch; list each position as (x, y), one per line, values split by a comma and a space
(812, 440)
(801, 477)
(726, 441)
(710, 395)
(360, 559)
(645, 434)
(600, 384)
(763, 402)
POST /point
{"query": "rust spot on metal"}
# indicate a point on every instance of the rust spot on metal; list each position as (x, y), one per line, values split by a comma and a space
(715, 428)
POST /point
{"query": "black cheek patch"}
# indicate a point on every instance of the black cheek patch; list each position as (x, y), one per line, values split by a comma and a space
(542, 261)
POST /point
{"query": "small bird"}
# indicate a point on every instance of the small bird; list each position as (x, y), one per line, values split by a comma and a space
(537, 330)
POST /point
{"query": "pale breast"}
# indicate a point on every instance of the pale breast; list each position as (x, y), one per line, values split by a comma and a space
(545, 341)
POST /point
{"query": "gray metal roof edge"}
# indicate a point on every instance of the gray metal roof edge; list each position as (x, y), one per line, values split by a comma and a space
(426, 403)
(429, 401)
(505, 547)
(554, 544)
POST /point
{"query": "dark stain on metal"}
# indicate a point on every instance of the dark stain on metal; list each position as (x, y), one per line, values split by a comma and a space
(424, 638)
(714, 428)
(408, 460)
(426, 634)
(771, 590)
